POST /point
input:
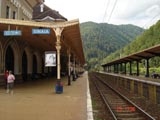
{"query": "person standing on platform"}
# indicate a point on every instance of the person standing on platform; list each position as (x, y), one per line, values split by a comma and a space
(10, 82)
(6, 73)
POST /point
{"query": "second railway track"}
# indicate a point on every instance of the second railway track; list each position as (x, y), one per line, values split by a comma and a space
(120, 107)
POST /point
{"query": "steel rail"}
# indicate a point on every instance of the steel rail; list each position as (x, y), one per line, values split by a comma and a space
(105, 101)
(126, 99)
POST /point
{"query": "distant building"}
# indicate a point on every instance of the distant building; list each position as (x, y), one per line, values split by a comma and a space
(41, 12)
(28, 10)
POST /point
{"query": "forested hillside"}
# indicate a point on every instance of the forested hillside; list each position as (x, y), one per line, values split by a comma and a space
(148, 39)
(100, 40)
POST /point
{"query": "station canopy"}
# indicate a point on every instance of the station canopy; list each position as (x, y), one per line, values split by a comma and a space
(70, 36)
(144, 54)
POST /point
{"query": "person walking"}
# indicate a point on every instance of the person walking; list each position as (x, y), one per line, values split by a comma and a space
(10, 82)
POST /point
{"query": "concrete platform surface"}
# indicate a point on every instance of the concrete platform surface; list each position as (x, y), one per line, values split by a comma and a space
(38, 101)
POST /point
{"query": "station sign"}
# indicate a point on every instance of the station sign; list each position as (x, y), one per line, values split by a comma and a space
(40, 31)
(12, 33)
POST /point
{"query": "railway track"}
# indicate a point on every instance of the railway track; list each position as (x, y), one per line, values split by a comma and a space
(119, 106)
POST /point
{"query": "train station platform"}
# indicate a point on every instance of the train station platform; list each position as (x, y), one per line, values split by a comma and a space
(38, 101)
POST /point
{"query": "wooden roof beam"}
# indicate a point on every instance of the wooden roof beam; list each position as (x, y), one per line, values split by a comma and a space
(153, 53)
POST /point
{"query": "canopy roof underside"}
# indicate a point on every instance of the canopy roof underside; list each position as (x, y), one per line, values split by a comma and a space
(144, 54)
(70, 36)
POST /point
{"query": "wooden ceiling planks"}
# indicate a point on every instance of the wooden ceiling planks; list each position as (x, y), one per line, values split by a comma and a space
(71, 34)
(144, 54)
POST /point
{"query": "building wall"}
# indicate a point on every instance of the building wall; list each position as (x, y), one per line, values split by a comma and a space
(18, 48)
(23, 9)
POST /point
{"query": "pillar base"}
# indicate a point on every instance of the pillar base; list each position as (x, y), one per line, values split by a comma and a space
(74, 77)
(59, 87)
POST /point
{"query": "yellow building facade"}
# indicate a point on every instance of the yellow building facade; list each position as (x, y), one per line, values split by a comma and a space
(23, 55)
(15, 54)
(17, 9)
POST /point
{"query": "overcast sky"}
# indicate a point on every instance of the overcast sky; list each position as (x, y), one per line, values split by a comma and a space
(143, 13)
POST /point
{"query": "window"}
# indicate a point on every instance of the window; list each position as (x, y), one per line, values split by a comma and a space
(14, 14)
(7, 11)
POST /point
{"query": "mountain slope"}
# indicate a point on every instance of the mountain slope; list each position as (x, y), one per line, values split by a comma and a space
(148, 39)
(100, 40)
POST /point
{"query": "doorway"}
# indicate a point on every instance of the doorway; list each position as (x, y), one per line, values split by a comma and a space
(9, 59)
(24, 66)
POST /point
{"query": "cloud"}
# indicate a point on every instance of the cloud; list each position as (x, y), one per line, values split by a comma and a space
(134, 8)
(85, 10)
(136, 12)
(153, 10)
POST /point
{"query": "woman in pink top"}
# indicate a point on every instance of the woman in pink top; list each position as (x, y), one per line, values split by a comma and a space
(10, 82)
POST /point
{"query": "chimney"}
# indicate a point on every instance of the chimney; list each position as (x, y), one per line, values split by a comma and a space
(42, 7)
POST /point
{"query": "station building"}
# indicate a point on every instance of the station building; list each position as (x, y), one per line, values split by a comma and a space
(25, 54)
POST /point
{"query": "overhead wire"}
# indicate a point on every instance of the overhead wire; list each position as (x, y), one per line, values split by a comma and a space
(105, 13)
(112, 10)
(151, 20)
(103, 20)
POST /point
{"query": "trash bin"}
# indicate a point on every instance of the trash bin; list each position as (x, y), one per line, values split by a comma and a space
(59, 88)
